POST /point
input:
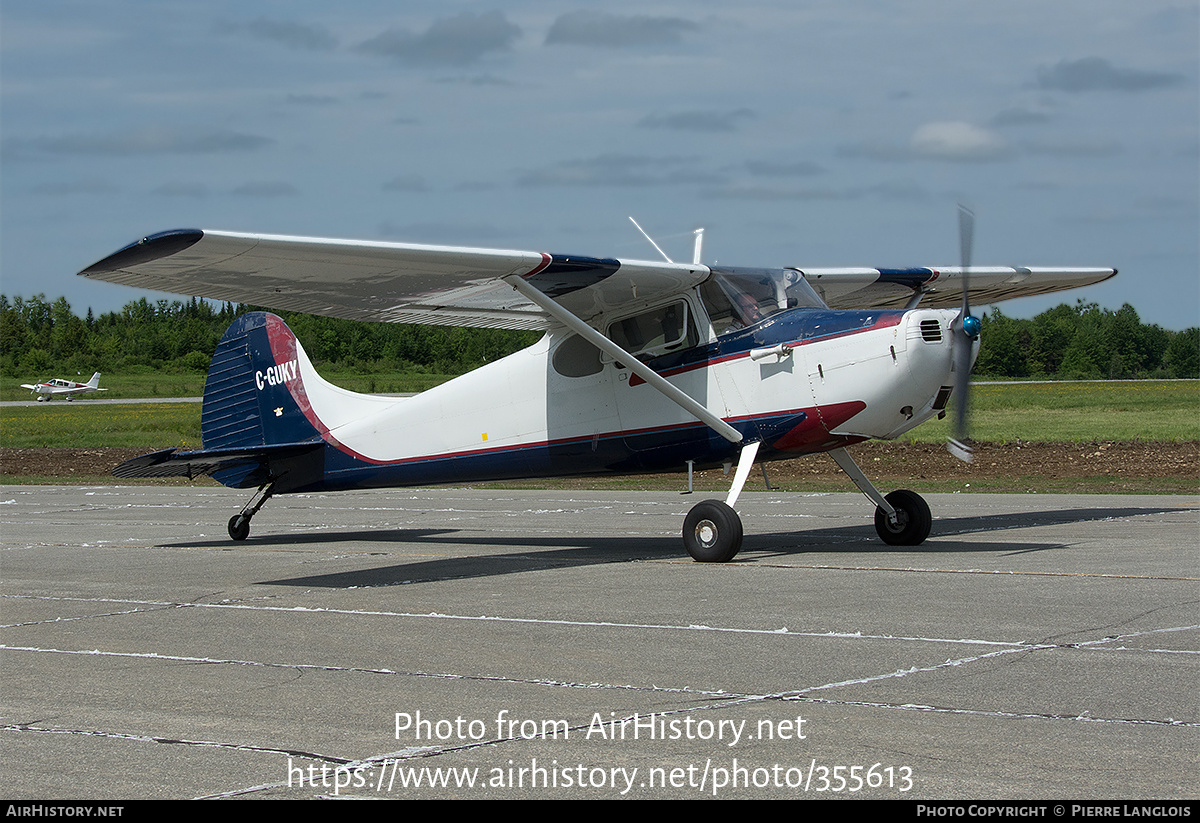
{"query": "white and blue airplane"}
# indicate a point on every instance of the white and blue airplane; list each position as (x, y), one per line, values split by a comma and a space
(644, 367)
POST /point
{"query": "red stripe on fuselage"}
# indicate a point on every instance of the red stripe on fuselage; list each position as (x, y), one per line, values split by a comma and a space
(816, 432)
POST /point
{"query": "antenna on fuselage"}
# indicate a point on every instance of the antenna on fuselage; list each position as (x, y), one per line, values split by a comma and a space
(651, 239)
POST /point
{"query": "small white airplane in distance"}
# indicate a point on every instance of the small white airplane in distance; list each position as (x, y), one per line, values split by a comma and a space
(58, 387)
(644, 367)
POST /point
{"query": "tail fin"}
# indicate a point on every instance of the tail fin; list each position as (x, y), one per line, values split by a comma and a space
(94, 383)
(254, 395)
(256, 423)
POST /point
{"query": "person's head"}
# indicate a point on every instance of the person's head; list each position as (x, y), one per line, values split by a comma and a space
(748, 307)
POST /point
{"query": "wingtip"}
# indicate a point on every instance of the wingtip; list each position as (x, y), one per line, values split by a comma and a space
(151, 247)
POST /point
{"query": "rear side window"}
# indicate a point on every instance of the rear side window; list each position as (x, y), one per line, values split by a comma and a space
(576, 357)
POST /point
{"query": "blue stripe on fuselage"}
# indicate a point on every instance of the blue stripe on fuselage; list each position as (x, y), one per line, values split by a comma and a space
(801, 326)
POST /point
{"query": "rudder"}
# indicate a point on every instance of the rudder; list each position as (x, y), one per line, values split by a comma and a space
(254, 394)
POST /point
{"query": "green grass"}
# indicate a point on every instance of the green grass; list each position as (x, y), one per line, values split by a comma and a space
(1150, 410)
(84, 425)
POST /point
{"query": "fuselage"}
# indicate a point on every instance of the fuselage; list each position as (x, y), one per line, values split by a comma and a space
(801, 379)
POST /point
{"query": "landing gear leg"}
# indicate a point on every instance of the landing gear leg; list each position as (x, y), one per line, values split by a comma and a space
(712, 530)
(902, 518)
(239, 524)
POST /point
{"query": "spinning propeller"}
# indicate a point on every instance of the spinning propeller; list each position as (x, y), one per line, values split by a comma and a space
(965, 329)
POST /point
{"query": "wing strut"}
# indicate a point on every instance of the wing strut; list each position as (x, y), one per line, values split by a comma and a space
(620, 355)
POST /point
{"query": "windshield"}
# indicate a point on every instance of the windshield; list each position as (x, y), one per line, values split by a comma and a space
(738, 298)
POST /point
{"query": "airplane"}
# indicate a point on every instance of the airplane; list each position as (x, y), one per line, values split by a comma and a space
(49, 389)
(644, 366)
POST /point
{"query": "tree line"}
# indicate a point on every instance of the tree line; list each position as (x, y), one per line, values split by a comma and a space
(1083, 342)
(39, 337)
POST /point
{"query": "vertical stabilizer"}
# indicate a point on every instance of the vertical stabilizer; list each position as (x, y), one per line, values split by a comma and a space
(254, 395)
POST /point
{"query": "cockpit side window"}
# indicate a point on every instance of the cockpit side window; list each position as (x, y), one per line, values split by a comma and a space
(666, 328)
(733, 303)
(739, 298)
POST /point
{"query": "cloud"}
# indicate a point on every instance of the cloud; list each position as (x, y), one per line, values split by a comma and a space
(1073, 148)
(904, 190)
(91, 186)
(958, 141)
(697, 120)
(474, 80)
(1098, 74)
(138, 142)
(598, 28)
(266, 189)
(182, 189)
(313, 100)
(769, 194)
(286, 33)
(950, 140)
(1019, 117)
(450, 41)
(407, 183)
(767, 168)
(621, 170)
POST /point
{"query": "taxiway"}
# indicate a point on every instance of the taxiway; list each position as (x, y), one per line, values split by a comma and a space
(561, 644)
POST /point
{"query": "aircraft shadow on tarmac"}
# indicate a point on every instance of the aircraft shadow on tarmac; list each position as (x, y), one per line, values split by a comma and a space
(546, 553)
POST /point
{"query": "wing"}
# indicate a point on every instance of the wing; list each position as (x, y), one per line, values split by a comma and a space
(386, 282)
(942, 287)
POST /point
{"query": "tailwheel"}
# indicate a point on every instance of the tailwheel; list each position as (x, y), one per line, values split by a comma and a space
(239, 524)
(912, 522)
(712, 532)
(239, 527)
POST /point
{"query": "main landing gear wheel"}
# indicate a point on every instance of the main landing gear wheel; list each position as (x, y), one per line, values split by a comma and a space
(913, 520)
(712, 532)
(239, 527)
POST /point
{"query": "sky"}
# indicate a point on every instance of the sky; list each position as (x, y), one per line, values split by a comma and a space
(823, 133)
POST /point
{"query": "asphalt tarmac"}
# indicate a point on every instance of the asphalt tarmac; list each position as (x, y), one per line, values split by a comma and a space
(532, 644)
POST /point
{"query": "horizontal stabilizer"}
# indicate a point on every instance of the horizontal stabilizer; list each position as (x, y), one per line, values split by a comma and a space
(256, 462)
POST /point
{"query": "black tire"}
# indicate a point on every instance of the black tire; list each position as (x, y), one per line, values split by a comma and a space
(239, 527)
(712, 532)
(913, 515)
